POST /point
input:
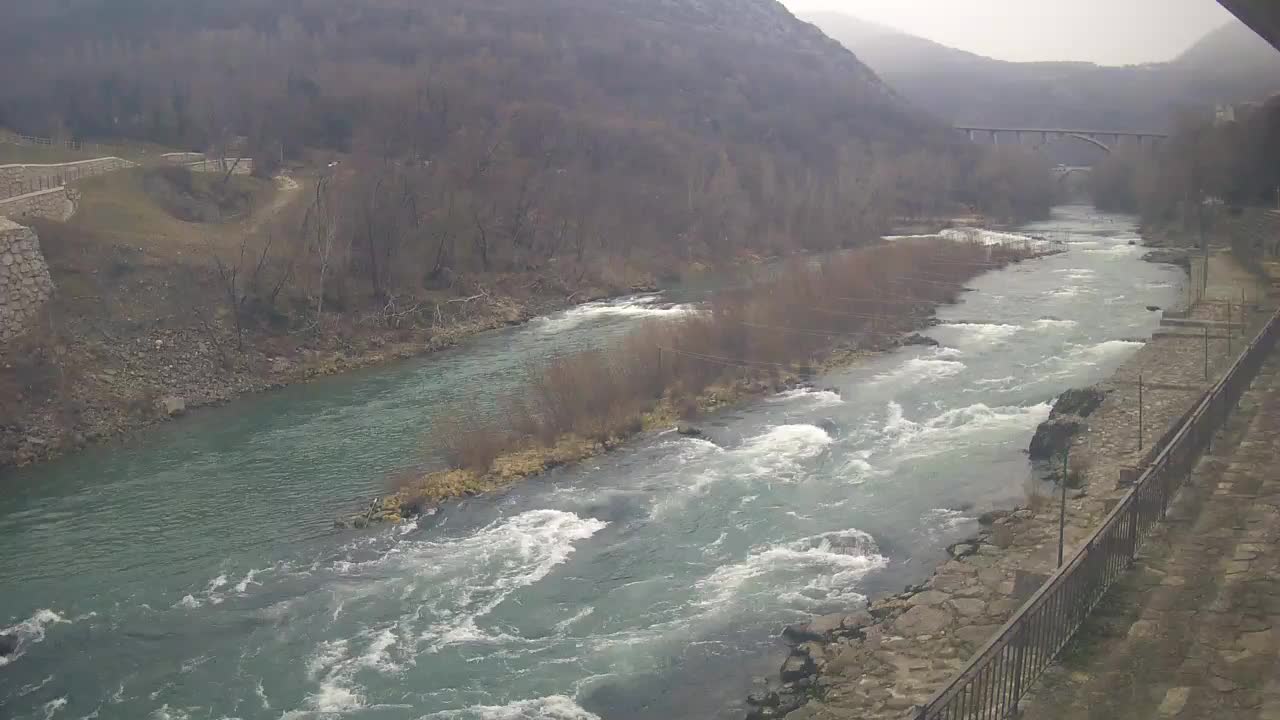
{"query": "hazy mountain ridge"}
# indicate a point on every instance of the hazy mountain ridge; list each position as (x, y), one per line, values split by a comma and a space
(1229, 64)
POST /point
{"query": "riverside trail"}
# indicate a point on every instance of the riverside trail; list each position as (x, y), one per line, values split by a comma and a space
(194, 574)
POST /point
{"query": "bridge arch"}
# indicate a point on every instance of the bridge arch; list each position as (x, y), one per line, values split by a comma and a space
(1092, 141)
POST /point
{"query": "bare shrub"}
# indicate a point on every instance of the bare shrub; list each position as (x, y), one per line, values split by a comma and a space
(786, 322)
(472, 446)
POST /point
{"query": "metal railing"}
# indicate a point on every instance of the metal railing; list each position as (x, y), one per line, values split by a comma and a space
(999, 674)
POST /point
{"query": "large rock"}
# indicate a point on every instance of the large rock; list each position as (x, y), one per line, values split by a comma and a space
(172, 406)
(1053, 437)
(689, 430)
(918, 339)
(798, 667)
(1078, 401)
(8, 645)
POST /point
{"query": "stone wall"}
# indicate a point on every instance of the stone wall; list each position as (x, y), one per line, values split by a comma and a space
(242, 166)
(182, 158)
(55, 204)
(18, 180)
(25, 284)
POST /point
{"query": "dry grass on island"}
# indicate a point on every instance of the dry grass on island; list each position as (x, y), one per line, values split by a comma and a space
(745, 342)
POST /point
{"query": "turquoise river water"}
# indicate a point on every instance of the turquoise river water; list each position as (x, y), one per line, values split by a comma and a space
(194, 573)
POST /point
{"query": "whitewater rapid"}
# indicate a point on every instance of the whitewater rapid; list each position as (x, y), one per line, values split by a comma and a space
(194, 575)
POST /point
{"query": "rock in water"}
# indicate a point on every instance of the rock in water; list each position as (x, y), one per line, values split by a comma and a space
(1078, 401)
(172, 406)
(797, 667)
(1053, 437)
(689, 430)
(8, 645)
(918, 339)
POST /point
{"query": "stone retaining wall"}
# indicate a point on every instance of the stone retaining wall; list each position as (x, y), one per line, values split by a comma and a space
(25, 284)
(237, 166)
(55, 204)
(182, 158)
(18, 180)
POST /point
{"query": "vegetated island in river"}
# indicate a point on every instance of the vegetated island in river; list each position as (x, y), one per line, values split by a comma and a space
(745, 342)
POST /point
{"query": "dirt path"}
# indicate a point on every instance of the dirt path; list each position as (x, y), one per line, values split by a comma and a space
(1192, 632)
(286, 192)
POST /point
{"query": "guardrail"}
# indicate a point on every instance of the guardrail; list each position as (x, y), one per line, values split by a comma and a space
(999, 674)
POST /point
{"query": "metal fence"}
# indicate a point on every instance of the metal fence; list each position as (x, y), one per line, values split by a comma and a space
(997, 677)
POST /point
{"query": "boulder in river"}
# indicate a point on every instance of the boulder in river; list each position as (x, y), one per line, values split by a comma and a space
(689, 430)
(1078, 401)
(918, 339)
(1053, 437)
(798, 667)
(8, 645)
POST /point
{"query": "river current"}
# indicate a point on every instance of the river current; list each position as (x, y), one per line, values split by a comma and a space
(193, 572)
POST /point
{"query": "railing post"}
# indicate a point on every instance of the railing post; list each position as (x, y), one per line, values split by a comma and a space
(1133, 529)
(1019, 666)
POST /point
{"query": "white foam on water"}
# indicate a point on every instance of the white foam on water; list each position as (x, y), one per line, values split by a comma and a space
(28, 689)
(947, 352)
(857, 468)
(989, 237)
(261, 692)
(952, 428)
(552, 707)
(334, 669)
(376, 656)
(779, 452)
(982, 334)
(945, 519)
(52, 707)
(1054, 324)
(188, 601)
(918, 370)
(821, 398)
(648, 306)
(246, 581)
(489, 565)
(692, 447)
(30, 632)
(1076, 273)
(564, 625)
(1114, 250)
(828, 565)
(164, 712)
(1103, 351)
(1066, 291)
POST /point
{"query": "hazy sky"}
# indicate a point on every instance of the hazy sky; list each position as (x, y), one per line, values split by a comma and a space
(1113, 32)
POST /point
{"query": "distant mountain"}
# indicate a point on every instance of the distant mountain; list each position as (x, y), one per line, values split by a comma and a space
(1230, 64)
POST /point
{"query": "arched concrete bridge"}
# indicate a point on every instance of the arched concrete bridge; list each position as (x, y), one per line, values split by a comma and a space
(1094, 137)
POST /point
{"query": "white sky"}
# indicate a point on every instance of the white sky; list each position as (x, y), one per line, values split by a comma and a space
(1111, 32)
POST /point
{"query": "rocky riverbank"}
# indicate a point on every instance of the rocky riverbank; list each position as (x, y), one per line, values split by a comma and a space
(881, 663)
(109, 385)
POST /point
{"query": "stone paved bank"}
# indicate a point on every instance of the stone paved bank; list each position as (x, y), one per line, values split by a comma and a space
(883, 663)
(25, 284)
(1194, 630)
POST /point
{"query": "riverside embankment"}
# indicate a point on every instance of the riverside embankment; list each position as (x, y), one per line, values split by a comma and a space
(893, 657)
(194, 571)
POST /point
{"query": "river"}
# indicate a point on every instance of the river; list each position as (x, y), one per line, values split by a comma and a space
(193, 572)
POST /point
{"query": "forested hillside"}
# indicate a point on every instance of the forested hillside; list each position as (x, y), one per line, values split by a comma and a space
(1230, 64)
(524, 129)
